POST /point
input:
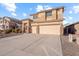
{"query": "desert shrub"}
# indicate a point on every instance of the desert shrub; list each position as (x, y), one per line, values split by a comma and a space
(13, 30)
(0, 31)
(8, 31)
(18, 30)
(74, 40)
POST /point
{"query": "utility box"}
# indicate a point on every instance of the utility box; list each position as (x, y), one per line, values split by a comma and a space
(72, 38)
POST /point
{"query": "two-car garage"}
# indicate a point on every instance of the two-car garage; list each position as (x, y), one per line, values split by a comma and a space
(47, 29)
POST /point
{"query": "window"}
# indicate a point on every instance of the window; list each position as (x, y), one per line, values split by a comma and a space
(35, 17)
(49, 13)
(7, 27)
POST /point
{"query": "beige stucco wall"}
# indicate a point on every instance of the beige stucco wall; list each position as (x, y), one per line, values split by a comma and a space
(77, 28)
(34, 29)
(46, 23)
(60, 14)
(41, 17)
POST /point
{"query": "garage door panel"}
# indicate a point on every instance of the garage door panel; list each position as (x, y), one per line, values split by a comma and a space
(50, 29)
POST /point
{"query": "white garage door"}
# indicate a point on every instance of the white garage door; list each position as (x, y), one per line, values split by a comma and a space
(50, 29)
(34, 29)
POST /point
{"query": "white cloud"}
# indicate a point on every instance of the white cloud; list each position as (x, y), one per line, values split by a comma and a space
(14, 14)
(70, 12)
(24, 14)
(76, 8)
(69, 17)
(39, 8)
(42, 7)
(11, 7)
(65, 22)
(65, 17)
(47, 7)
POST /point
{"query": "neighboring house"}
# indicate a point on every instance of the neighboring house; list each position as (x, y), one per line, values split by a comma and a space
(9, 23)
(1, 24)
(71, 29)
(26, 25)
(4, 24)
(47, 22)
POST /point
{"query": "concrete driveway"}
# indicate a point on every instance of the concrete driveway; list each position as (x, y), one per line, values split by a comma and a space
(31, 45)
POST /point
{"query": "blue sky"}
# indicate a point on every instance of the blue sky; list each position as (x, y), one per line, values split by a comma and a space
(23, 10)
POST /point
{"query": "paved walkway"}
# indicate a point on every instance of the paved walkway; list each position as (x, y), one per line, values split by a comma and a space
(31, 45)
(69, 48)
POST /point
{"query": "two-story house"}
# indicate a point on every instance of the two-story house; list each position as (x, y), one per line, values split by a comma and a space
(48, 21)
(45, 22)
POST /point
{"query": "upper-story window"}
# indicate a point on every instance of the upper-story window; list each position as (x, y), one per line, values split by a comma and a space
(49, 13)
(35, 17)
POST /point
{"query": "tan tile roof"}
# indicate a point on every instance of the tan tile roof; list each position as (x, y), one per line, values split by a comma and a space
(47, 10)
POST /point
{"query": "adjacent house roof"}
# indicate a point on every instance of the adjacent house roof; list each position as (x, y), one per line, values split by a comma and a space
(12, 19)
(27, 19)
(72, 24)
(0, 18)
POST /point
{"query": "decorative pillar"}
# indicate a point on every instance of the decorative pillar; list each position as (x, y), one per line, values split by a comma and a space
(37, 29)
(28, 25)
(22, 27)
